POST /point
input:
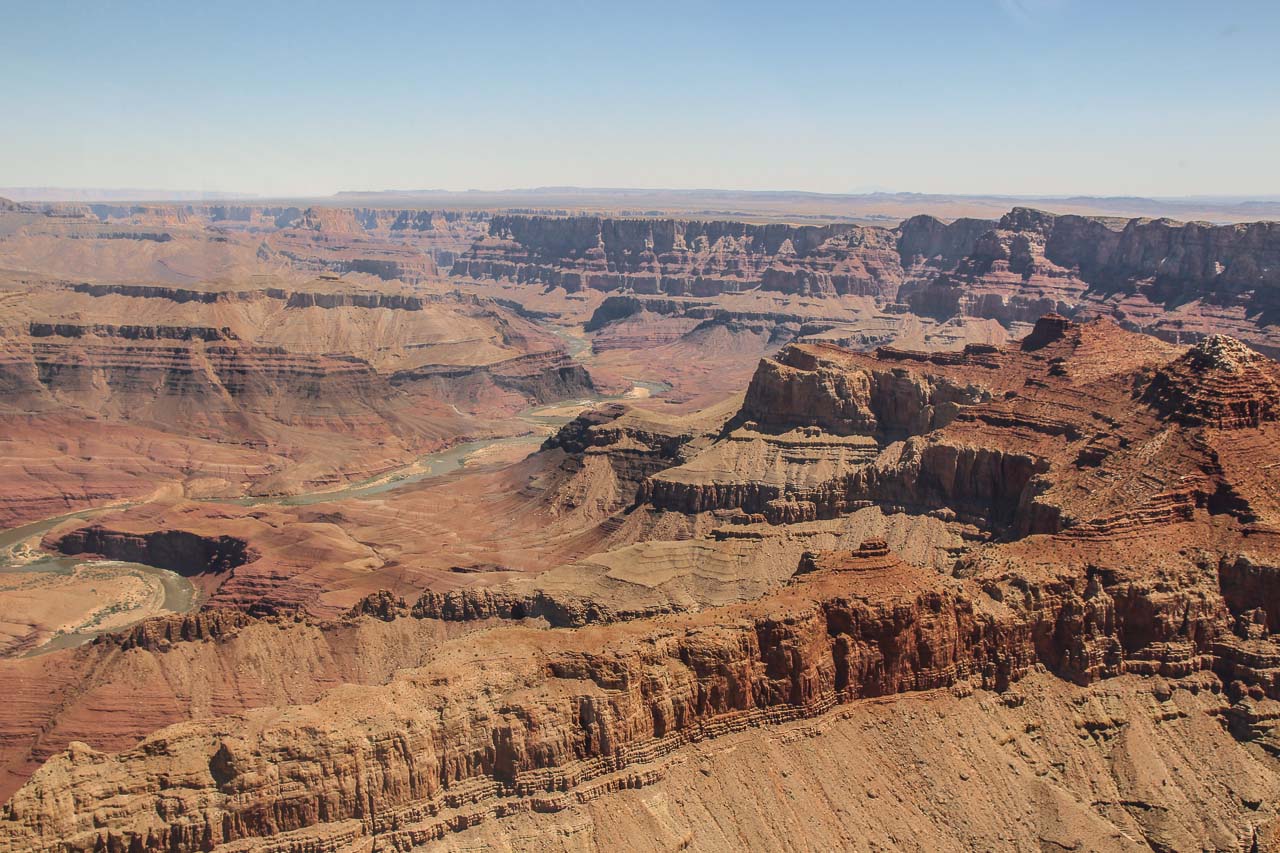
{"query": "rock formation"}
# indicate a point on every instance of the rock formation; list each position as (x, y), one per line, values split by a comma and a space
(1115, 534)
(684, 258)
(266, 385)
(1180, 281)
(1149, 274)
(916, 542)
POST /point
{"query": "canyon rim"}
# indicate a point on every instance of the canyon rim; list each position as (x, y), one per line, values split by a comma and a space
(700, 495)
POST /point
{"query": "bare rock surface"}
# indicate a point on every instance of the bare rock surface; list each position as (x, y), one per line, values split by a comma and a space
(1093, 612)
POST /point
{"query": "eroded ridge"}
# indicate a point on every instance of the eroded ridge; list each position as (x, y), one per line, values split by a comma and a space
(1086, 527)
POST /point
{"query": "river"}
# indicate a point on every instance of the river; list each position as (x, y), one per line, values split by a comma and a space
(18, 545)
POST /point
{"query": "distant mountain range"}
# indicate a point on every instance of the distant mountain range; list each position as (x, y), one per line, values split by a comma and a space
(112, 194)
(797, 205)
(790, 205)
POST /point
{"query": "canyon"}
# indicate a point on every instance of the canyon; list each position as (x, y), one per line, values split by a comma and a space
(573, 529)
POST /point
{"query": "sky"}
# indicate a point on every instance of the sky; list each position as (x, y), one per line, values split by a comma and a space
(1028, 97)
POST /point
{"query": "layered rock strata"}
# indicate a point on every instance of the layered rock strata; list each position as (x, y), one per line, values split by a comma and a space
(1120, 529)
(684, 258)
(1180, 281)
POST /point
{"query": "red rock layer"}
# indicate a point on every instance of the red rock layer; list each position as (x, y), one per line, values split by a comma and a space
(1119, 531)
(685, 258)
(1180, 281)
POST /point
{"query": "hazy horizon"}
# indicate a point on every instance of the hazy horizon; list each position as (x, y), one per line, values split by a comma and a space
(1035, 98)
(161, 194)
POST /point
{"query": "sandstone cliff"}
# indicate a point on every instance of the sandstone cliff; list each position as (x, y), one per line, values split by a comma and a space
(684, 257)
(1181, 281)
(1114, 530)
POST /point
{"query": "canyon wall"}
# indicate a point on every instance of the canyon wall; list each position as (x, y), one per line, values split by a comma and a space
(684, 257)
(1180, 281)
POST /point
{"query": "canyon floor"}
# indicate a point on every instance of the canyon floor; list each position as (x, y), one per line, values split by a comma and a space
(369, 528)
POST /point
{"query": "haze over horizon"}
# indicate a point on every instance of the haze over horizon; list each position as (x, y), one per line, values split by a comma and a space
(1020, 97)
(602, 427)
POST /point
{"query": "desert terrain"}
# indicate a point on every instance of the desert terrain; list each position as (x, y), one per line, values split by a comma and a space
(577, 523)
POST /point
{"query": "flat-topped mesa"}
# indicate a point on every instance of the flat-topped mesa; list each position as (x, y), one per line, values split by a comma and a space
(1049, 328)
(871, 556)
(329, 219)
(179, 551)
(821, 386)
(1219, 382)
(988, 436)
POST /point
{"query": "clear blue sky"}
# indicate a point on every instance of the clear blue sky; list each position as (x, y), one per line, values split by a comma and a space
(965, 96)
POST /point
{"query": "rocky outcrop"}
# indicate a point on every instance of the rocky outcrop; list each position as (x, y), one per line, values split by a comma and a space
(130, 332)
(502, 733)
(585, 431)
(924, 238)
(177, 550)
(589, 711)
(682, 495)
(801, 388)
(1219, 382)
(390, 301)
(163, 632)
(466, 605)
(1097, 549)
(383, 605)
(1180, 281)
(987, 436)
(1248, 584)
(684, 257)
(542, 377)
(611, 456)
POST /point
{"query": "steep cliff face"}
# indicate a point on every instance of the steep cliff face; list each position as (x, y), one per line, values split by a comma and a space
(799, 388)
(130, 332)
(1182, 259)
(501, 724)
(925, 238)
(684, 257)
(588, 712)
(1110, 534)
(1181, 281)
(1005, 270)
(1004, 439)
(177, 550)
(991, 486)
